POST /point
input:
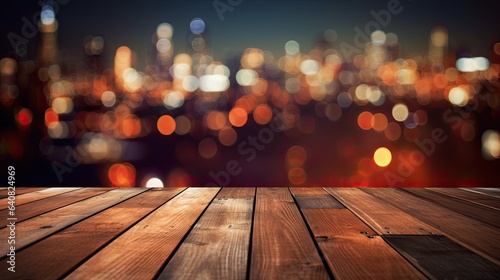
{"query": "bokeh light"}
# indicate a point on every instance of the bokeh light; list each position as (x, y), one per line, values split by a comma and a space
(382, 157)
(166, 125)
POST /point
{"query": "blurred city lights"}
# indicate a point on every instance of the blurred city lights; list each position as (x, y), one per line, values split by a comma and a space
(382, 157)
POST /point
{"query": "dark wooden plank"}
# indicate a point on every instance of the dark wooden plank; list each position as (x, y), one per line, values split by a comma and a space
(472, 197)
(34, 196)
(53, 257)
(475, 235)
(315, 198)
(19, 191)
(141, 251)
(217, 247)
(484, 214)
(383, 218)
(353, 250)
(441, 258)
(234, 192)
(281, 244)
(38, 207)
(34, 229)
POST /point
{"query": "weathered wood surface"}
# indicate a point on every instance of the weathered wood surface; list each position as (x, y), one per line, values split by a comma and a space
(253, 233)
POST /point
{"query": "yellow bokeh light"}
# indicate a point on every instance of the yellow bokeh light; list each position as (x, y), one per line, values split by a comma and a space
(382, 157)
(458, 96)
(400, 112)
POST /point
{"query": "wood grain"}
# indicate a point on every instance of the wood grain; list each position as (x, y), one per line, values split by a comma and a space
(441, 258)
(383, 218)
(353, 250)
(233, 192)
(472, 197)
(53, 257)
(282, 247)
(481, 213)
(217, 247)
(38, 207)
(21, 190)
(34, 229)
(34, 196)
(495, 192)
(475, 235)
(141, 251)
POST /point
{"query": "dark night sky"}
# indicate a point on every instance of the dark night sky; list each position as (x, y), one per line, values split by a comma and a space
(268, 25)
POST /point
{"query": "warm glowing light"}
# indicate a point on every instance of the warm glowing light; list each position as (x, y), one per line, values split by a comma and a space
(190, 83)
(297, 176)
(365, 120)
(382, 157)
(108, 98)
(24, 117)
(473, 64)
(246, 77)
(214, 83)
(131, 126)
(378, 37)
(458, 96)
(309, 67)
(491, 144)
(379, 122)
(164, 30)
(227, 136)
(262, 114)
(393, 131)
(216, 120)
(57, 130)
(51, 116)
(154, 183)
(173, 99)
(62, 105)
(207, 148)
(238, 117)
(122, 175)
(166, 125)
(295, 157)
(400, 112)
(182, 125)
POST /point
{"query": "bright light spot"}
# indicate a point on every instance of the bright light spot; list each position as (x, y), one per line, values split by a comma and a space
(164, 30)
(361, 92)
(122, 175)
(51, 116)
(214, 83)
(309, 67)
(154, 183)
(292, 47)
(181, 70)
(375, 96)
(108, 98)
(47, 16)
(400, 112)
(197, 26)
(365, 120)
(458, 96)
(190, 83)
(439, 37)
(406, 76)
(378, 37)
(238, 117)
(246, 77)
(166, 125)
(24, 117)
(207, 148)
(473, 64)
(163, 45)
(173, 99)
(132, 79)
(131, 126)
(382, 157)
(62, 105)
(491, 144)
(262, 114)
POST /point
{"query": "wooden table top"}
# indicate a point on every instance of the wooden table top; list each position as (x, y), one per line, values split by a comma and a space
(252, 233)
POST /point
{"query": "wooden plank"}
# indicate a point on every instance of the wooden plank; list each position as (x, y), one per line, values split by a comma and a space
(472, 197)
(315, 198)
(19, 191)
(281, 244)
(38, 207)
(478, 212)
(34, 229)
(495, 192)
(233, 192)
(34, 196)
(52, 258)
(141, 251)
(474, 235)
(217, 247)
(441, 258)
(353, 250)
(380, 216)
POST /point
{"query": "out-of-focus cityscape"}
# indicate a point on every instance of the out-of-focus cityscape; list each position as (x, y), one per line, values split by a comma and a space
(341, 114)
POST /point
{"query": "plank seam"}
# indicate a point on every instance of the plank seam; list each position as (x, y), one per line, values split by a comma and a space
(250, 241)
